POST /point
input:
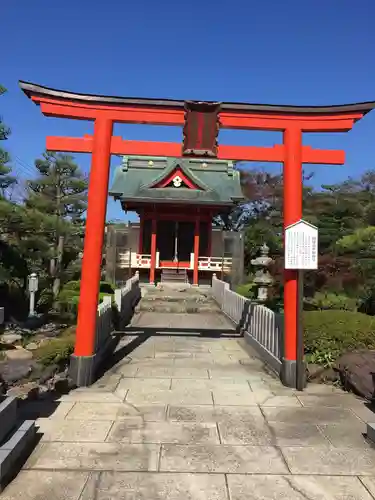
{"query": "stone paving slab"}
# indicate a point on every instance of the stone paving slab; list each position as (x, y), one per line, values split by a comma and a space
(202, 363)
(246, 398)
(223, 459)
(202, 397)
(239, 372)
(211, 384)
(150, 486)
(348, 436)
(213, 413)
(127, 370)
(237, 432)
(235, 397)
(332, 400)
(164, 432)
(296, 488)
(46, 485)
(137, 363)
(160, 372)
(108, 383)
(369, 483)
(75, 431)
(269, 400)
(141, 385)
(95, 456)
(181, 349)
(338, 461)
(177, 354)
(116, 411)
(297, 434)
(258, 432)
(318, 415)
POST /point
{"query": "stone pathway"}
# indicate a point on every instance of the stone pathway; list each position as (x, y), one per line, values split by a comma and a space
(186, 418)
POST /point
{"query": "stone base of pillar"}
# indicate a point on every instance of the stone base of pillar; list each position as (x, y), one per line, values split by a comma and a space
(82, 370)
(288, 373)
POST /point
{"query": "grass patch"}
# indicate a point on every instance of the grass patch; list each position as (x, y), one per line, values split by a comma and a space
(57, 350)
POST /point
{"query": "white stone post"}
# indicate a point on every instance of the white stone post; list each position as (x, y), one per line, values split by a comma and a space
(33, 288)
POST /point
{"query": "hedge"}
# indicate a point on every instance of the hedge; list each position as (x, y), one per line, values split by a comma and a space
(104, 287)
(328, 334)
(69, 296)
(332, 301)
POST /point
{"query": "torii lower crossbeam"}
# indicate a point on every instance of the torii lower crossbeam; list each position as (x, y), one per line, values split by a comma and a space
(120, 146)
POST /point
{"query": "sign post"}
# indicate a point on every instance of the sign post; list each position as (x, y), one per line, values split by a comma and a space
(301, 254)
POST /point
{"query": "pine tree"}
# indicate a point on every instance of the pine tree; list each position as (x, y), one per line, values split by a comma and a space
(6, 180)
(60, 193)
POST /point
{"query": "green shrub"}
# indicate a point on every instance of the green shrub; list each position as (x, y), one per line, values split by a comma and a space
(330, 300)
(45, 300)
(328, 334)
(247, 290)
(72, 285)
(57, 350)
(68, 300)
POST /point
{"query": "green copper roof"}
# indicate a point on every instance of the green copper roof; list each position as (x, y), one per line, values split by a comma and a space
(217, 181)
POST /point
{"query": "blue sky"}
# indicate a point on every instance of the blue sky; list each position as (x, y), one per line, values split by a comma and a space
(270, 51)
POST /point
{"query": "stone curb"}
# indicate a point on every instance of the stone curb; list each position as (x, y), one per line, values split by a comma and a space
(8, 416)
(18, 440)
(371, 432)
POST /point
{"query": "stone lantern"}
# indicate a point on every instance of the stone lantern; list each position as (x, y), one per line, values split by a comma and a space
(33, 288)
(263, 278)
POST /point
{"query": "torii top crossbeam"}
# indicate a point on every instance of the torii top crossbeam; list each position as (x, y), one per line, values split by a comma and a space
(201, 122)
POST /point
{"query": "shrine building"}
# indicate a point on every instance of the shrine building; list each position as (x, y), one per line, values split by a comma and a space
(176, 200)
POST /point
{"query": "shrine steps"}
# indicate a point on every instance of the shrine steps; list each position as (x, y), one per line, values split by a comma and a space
(167, 298)
(174, 276)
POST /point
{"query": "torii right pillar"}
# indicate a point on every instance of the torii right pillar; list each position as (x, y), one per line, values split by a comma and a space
(293, 212)
(293, 189)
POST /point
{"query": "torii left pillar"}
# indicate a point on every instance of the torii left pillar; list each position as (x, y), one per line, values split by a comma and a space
(83, 360)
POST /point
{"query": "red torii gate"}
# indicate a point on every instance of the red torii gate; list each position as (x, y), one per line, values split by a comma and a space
(201, 122)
